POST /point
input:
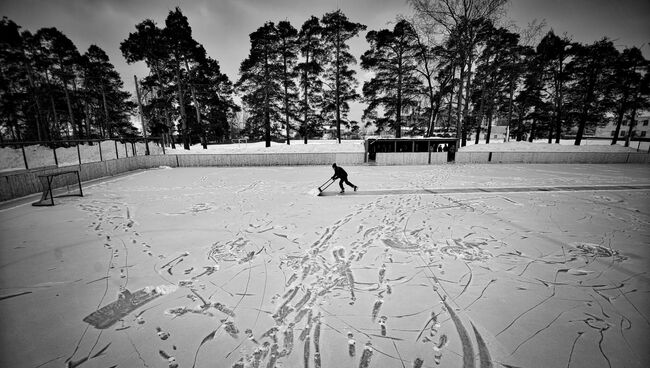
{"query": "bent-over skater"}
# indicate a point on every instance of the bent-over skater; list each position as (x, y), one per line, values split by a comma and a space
(339, 173)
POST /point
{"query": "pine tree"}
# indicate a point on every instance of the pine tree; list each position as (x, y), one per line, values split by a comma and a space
(588, 93)
(629, 67)
(61, 55)
(309, 70)
(338, 76)
(148, 44)
(261, 83)
(394, 87)
(103, 86)
(554, 53)
(213, 93)
(288, 49)
(13, 91)
(182, 49)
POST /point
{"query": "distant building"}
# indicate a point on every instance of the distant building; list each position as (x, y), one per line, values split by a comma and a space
(641, 129)
(497, 133)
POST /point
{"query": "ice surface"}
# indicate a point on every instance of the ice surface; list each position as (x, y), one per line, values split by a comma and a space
(247, 266)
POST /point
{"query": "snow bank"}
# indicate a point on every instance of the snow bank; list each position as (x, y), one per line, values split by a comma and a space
(40, 156)
(543, 146)
(296, 146)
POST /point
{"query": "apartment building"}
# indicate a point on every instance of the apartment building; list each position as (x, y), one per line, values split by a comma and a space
(641, 129)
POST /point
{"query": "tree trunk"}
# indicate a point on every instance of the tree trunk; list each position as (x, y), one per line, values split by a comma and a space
(459, 104)
(87, 125)
(267, 114)
(432, 101)
(170, 135)
(480, 116)
(107, 122)
(632, 126)
(450, 106)
(338, 85)
(520, 125)
(620, 115)
(196, 108)
(489, 127)
(533, 127)
(67, 99)
(560, 98)
(433, 118)
(56, 117)
(46, 134)
(286, 100)
(468, 87)
(39, 124)
(581, 128)
(550, 129)
(80, 126)
(585, 109)
(198, 118)
(142, 119)
(510, 100)
(305, 123)
(398, 118)
(181, 102)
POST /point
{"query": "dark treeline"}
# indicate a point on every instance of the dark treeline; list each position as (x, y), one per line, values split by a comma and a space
(185, 90)
(476, 73)
(449, 69)
(50, 91)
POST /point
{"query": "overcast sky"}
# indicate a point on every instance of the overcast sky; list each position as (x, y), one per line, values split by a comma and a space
(223, 26)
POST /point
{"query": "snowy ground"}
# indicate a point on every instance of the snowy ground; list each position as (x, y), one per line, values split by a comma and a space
(209, 267)
(38, 156)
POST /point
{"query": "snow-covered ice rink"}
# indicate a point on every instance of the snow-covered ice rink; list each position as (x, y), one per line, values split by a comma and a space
(445, 265)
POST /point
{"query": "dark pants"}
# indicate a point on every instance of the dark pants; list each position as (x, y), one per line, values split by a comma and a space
(344, 179)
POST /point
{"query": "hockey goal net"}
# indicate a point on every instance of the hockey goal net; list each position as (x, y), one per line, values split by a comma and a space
(59, 184)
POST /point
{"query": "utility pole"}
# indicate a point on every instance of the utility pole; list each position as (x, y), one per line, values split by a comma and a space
(144, 124)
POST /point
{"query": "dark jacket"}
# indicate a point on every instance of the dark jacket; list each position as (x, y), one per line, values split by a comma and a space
(339, 173)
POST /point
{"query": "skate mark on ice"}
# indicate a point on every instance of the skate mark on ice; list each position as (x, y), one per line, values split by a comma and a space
(317, 357)
(259, 309)
(533, 307)
(15, 295)
(100, 352)
(398, 354)
(305, 353)
(481, 294)
(471, 275)
(468, 348)
(485, 360)
(600, 345)
(573, 346)
(466, 250)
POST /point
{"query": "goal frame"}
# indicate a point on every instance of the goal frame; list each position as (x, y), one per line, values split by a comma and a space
(47, 181)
